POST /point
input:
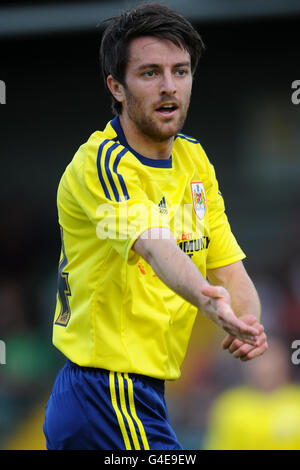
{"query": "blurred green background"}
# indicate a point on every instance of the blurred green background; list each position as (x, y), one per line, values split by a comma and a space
(243, 115)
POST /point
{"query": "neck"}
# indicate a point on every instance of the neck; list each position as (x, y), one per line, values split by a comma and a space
(143, 144)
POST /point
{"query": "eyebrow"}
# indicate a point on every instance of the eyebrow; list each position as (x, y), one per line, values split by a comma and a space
(152, 66)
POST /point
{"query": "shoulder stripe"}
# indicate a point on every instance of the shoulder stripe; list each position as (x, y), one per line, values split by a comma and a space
(100, 169)
(104, 159)
(108, 172)
(115, 169)
(188, 138)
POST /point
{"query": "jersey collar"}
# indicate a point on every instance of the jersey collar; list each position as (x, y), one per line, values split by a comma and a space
(160, 163)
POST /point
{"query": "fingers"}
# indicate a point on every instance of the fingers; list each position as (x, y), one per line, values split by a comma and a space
(234, 344)
(243, 351)
(231, 343)
(237, 328)
(227, 341)
(255, 352)
(220, 301)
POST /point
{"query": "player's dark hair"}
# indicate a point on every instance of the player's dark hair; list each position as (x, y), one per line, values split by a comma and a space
(151, 19)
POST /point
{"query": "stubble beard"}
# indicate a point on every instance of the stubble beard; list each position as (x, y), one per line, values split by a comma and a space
(147, 125)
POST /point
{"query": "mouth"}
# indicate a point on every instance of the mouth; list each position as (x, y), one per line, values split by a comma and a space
(167, 109)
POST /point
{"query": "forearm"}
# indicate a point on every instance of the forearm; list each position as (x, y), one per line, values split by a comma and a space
(174, 268)
(181, 275)
(244, 297)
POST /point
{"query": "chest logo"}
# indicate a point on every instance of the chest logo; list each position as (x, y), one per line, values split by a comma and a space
(163, 206)
(199, 199)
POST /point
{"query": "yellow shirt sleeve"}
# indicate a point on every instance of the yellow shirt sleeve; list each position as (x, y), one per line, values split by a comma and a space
(107, 185)
(223, 247)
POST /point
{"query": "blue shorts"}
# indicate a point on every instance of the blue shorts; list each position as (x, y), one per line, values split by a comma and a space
(95, 409)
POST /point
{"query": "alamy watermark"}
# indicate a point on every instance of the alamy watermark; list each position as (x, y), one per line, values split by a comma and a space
(2, 92)
(129, 218)
(2, 352)
(296, 94)
(296, 354)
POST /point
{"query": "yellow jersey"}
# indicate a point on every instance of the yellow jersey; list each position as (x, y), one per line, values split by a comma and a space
(112, 311)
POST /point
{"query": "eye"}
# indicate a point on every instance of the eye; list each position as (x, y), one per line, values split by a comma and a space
(149, 73)
(181, 72)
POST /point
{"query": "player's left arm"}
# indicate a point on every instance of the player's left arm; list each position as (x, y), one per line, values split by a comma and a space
(245, 304)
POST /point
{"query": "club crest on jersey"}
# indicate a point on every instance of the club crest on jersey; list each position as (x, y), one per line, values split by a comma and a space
(199, 199)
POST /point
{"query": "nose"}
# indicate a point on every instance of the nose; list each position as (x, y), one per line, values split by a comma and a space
(168, 85)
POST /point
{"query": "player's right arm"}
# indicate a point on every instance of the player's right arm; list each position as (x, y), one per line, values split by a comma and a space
(108, 175)
(158, 247)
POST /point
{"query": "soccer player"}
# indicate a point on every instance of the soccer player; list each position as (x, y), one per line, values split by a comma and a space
(146, 246)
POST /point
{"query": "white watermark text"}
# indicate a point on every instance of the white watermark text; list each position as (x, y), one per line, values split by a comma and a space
(2, 352)
(296, 94)
(2, 92)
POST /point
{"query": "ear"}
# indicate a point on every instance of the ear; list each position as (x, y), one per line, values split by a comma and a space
(116, 89)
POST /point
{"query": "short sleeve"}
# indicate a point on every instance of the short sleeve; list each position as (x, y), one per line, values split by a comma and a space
(110, 192)
(223, 247)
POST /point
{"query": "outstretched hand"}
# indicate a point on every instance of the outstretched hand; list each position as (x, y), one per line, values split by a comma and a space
(242, 350)
(218, 308)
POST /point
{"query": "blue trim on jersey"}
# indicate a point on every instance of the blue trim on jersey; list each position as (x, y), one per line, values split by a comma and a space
(192, 140)
(159, 163)
(100, 171)
(115, 169)
(188, 138)
(108, 171)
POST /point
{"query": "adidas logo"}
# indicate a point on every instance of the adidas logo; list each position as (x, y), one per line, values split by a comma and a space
(163, 206)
